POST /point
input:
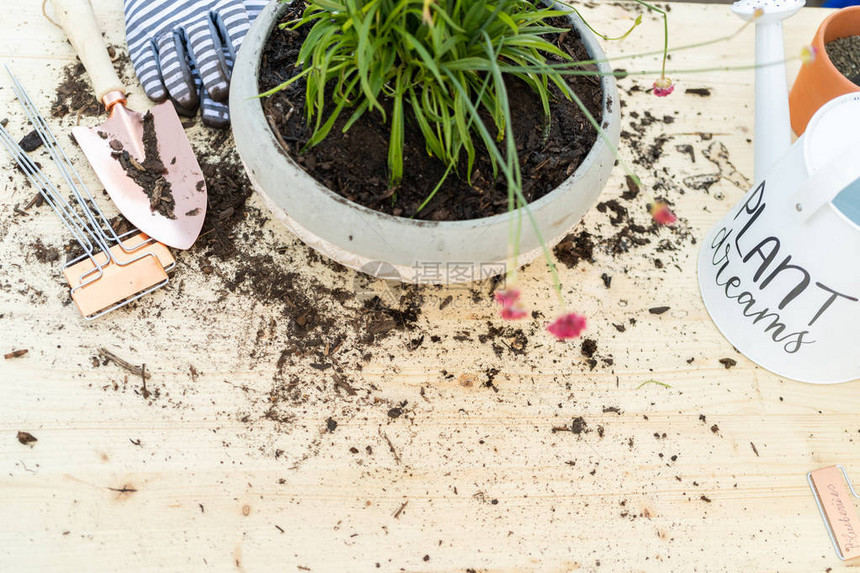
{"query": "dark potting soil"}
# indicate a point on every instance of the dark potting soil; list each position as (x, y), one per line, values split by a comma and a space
(75, 94)
(845, 55)
(354, 164)
(148, 174)
(227, 190)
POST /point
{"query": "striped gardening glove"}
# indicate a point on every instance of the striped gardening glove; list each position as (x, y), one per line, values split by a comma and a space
(185, 50)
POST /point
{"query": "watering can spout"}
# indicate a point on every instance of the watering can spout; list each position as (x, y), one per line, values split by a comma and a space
(772, 121)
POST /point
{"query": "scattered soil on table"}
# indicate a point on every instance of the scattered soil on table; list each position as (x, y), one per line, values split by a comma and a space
(845, 55)
(355, 164)
(313, 339)
(227, 188)
(574, 248)
(43, 253)
(148, 174)
(75, 94)
(647, 148)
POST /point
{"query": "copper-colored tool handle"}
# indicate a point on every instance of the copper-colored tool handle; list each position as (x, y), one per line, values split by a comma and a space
(79, 22)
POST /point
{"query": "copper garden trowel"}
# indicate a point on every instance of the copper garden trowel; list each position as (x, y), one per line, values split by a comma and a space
(145, 160)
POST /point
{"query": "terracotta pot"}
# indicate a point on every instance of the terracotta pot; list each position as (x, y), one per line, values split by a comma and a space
(396, 247)
(819, 81)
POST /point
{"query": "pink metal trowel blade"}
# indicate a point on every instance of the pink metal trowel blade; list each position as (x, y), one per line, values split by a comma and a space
(173, 209)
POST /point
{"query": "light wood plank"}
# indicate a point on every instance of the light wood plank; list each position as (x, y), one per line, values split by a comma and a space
(199, 478)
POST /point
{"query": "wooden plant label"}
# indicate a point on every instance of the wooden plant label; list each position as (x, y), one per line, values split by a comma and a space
(837, 504)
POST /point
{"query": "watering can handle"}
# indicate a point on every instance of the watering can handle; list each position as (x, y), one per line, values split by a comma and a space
(772, 123)
(79, 22)
(826, 183)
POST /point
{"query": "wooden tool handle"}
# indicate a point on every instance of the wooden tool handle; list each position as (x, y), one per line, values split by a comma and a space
(79, 22)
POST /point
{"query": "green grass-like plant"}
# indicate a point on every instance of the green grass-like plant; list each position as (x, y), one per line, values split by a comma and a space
(434, 57)
(446, 62)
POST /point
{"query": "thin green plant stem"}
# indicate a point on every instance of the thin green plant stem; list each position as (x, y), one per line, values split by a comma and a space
(452, 164)
(665, 32)
(602, 133)
(624, 74)
(681, 48)
(653, 382)
(636, 22)
(435, 189)
(510, 176)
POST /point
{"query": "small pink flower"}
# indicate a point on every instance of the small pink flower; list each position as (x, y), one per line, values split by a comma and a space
(514, 312)
(663, 87)
(807, 54)
(507, 298)
(567, 326)
(511, 307)
(661, 213)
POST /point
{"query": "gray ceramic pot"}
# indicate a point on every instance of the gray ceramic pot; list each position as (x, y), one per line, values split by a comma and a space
(395, 247)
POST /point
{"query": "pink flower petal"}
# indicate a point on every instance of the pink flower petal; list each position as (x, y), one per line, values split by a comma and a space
(661, 213)
(567, 326)
(508, 298)
(513, 312)
(663, 87)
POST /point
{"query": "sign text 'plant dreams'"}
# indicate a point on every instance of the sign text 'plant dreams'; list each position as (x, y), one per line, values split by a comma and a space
(752, 265)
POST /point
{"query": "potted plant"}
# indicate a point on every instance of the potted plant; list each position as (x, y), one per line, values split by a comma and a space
(411, 249)
(819, 80)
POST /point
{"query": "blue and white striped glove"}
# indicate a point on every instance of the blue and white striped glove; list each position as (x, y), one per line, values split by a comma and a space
(185, 49)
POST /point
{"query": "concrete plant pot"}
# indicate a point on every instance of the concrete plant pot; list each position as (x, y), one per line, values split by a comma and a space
(398, 248)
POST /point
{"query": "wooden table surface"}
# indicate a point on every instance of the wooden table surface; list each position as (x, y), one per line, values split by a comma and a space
(287, 427)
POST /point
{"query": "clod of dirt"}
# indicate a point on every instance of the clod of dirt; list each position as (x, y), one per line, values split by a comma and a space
(632, 189)
(31, 141)
(574, 248)
(26, 438)
(607, 280)
(578, 425)
(620, 212)
(703, 92)
(148, 175)
(658, 309)
(589, 347)
(728, 362)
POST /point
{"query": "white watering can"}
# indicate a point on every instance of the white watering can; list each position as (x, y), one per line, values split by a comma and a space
(780, 274)
(772, 121)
